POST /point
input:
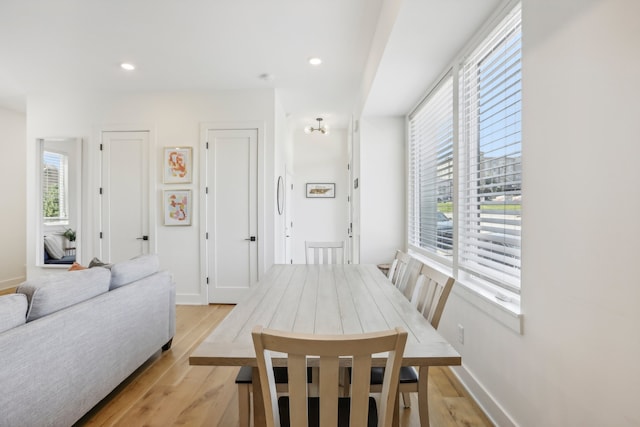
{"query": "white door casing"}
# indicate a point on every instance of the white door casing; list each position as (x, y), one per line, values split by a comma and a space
(232, 234)
(288, 217)
(124, 195)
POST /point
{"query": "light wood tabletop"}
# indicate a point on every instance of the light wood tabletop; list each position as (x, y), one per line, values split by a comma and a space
(331, 299)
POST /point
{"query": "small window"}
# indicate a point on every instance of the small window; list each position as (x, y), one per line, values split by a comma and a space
(55, 188)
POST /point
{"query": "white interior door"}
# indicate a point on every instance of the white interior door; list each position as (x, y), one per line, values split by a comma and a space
(125, 195)
(232, 213)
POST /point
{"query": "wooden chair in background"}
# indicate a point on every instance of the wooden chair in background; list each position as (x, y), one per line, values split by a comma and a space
(324, 252)
(298, 409)
(398, 269)
(429, 296)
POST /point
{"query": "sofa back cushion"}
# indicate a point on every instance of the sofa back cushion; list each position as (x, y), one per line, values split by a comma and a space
(48, 294)
(13, 311)
(125, 272)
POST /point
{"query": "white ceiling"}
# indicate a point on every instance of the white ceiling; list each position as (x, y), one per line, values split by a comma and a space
(58, 45)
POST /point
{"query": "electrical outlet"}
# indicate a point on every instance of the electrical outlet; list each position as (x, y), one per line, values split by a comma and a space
(460, 334)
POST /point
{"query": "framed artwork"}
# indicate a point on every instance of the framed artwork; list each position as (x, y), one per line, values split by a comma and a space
(178, 205)
(321, 190)
(177, 165)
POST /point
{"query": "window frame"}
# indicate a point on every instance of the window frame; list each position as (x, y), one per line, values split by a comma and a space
(504, 295)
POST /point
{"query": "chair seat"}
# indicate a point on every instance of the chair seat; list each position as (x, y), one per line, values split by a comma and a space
(314, 412)
(280, 374)
(407, 375)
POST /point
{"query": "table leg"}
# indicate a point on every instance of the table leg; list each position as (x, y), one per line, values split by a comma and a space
(423, 402)
(259, 419)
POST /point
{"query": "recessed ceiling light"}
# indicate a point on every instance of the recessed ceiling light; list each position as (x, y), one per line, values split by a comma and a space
(315, 61)
(127, 66)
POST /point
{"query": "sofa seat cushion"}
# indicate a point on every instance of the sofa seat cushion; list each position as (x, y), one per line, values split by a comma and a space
(13, 311)
(125, 272)
(48, 294)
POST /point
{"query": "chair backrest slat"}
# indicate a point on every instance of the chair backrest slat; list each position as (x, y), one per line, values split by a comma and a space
(434, 297)
(324, 252)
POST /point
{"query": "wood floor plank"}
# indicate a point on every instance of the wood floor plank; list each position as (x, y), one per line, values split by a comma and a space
(438, 376)
(167, 391)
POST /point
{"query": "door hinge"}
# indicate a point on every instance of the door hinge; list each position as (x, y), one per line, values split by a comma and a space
(206, 235)
(348, 199)
(348, 167)
(101, 234)
(100, 190)
(206, 190)
(207, 280)
(101, 147)
(292, 186)
(207, 149)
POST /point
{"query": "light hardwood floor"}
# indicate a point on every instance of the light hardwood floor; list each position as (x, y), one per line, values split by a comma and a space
(167, 391)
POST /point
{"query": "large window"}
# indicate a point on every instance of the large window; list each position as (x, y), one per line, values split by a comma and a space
(431, 172)
(484, 199)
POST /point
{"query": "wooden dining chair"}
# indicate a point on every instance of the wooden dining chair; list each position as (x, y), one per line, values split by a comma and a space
(430, 294)
(329, 352)
(324, 252)
(321, 252)
(398, 270)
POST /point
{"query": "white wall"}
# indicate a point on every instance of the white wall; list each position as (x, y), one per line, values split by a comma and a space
(13, 228)
(319, 158)
(577, 362)
(174, 119)
(382, 188)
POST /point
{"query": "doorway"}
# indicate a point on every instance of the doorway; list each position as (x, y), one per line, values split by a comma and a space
(231, 213)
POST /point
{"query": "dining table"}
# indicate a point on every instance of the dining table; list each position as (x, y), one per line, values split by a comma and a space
(332, 299)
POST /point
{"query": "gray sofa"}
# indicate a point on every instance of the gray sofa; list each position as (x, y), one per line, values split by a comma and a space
(67, 340)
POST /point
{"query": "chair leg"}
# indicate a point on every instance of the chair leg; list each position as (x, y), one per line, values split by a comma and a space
(406, 399)
(244, 405)
(345, 382)
(423, 401)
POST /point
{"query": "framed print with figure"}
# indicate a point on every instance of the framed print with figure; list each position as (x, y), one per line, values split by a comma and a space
(177, 165)
(177, 207)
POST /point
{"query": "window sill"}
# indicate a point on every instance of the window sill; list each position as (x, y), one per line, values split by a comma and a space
(484, 298)
(502, 305)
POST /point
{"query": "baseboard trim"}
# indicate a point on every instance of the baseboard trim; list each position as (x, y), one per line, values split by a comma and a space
(11, 283)
(189, 299)
(494, 411)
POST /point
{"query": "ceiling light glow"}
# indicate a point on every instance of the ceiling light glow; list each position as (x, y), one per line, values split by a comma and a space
(127, 66)
(315, 61)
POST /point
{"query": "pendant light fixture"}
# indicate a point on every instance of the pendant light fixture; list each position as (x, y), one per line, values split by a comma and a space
(323, 129)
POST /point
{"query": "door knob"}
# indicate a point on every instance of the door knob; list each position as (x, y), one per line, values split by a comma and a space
(251, 239)
(142, 238)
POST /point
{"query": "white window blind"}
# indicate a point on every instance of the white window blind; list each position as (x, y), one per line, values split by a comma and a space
(55, 206)
(490, 178)
(430, 224)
